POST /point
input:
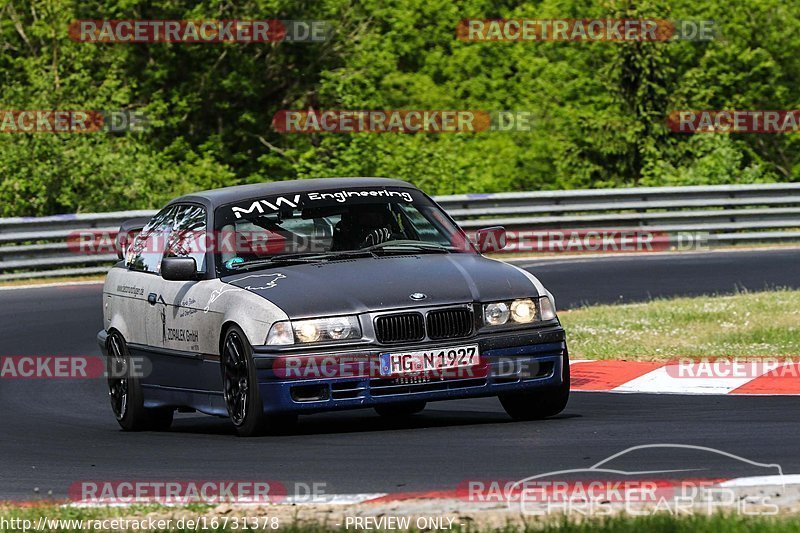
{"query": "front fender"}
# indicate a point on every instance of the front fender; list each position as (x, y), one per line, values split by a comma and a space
(114, 316)
(252, 313)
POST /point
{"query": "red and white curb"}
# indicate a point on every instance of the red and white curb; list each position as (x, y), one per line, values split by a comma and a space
(460, 494)
(709, 377)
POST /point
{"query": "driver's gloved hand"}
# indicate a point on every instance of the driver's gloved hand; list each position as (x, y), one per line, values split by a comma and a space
(377, 236)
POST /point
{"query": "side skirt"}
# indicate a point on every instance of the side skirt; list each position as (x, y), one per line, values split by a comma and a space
(172, 378)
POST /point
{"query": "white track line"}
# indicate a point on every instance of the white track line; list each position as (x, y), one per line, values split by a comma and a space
(663, 380)
(45, 285)
(758, 481)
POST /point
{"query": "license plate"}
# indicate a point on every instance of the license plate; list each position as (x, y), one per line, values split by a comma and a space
(393, 364)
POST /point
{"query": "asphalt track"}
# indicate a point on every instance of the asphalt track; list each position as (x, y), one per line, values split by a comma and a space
(54, 433)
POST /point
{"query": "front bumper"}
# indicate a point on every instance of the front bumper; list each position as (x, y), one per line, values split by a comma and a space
(510, 362)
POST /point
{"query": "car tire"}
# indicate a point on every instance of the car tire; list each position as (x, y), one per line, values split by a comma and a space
(126, 396)
(241, 392)
(400, 410)
(539, 404)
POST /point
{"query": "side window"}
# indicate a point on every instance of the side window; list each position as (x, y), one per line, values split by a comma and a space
(188, 237)
(147, 249)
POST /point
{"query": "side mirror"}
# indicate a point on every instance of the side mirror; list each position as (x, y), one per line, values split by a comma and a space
(491, 239)
(179, 269)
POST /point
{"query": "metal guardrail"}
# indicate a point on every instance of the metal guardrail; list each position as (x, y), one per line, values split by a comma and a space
(33, 247)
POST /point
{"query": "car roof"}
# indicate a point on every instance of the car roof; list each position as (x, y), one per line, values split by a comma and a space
(213, 198)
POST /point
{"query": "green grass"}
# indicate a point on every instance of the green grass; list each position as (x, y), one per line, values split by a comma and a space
(740, 325)
(624, 524)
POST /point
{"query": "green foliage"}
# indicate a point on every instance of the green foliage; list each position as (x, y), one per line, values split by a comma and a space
(599, 107)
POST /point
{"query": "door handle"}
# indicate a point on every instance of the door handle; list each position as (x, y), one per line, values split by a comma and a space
(152, 298)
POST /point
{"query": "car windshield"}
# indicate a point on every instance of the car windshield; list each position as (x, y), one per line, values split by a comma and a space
(345, 222)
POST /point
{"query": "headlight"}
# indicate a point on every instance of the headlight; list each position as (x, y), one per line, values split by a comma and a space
(306, 332)
(314, 330)
(342, 328)
(495, 314)
(522, 311)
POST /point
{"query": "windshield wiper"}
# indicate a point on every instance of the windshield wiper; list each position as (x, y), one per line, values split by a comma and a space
(347, 254)
(417, 246)
(401, 246)
(302, 258)
(277, 260)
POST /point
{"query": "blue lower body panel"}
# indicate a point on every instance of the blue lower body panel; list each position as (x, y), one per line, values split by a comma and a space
(516, 365)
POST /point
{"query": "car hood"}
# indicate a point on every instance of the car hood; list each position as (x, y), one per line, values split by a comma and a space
(382, 283)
